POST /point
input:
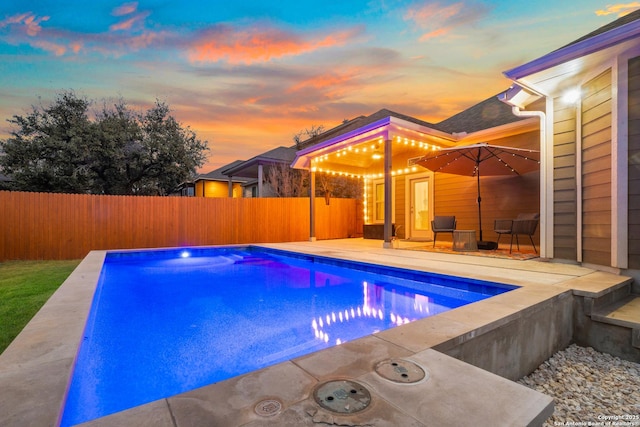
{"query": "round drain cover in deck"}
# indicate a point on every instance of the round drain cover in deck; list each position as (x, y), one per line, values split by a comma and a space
(268, 407)
(342, 396)
(400, 371)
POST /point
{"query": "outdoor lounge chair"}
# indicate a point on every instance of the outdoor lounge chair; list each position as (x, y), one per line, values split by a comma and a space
(524, 224)
(442, 224)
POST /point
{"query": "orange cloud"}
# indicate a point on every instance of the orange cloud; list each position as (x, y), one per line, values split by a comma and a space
(327, 86)
(127, 24)
(28, 20)
(319, 82)
(434, 34)
(621, 9)
(435, 17)
(25, 28)
(439, 20)
(248, 46)
(55, 48)
(125, 9)
(425, 16)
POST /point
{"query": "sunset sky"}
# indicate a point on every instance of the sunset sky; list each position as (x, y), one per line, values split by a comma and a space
(247, 75)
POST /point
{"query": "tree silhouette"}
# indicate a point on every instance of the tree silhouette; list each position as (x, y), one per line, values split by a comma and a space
(62, 148)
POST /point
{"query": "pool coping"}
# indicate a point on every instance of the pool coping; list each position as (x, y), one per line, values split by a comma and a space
(34, 369)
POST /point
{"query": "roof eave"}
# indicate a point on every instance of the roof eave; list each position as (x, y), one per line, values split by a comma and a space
(225, 180)
(518, 96)
(251, 162)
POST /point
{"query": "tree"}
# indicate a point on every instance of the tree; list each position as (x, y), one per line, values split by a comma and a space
(59, 148)
(286, 181)
(308, 133)
(47, 152)
(341, 187)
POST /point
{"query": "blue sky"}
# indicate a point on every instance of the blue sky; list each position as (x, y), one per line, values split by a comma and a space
(246, 76)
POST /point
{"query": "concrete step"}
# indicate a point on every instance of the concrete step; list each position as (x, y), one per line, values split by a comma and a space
(624, 312)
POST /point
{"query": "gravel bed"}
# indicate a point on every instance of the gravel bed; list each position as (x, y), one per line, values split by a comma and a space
(589, 388)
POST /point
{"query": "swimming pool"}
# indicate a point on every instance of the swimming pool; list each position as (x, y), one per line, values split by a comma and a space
(167, 321)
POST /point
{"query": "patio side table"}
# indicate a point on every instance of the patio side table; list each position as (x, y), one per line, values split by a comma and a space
(464, 241)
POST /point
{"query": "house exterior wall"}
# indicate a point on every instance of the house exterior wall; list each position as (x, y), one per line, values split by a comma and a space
(565, 192)
(634, 164)
(596, 170)
(582, 184)
(216, 189)
(252, 191)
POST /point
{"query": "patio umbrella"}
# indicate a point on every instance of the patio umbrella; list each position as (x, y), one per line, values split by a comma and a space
(472, 160)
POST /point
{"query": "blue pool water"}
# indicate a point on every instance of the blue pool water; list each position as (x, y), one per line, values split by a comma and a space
(165, 322)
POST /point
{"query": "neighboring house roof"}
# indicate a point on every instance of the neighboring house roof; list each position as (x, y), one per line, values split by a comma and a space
(217, 175)
(249, 168)
(487, 114)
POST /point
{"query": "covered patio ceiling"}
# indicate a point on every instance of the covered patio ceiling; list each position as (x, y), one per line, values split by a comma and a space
(360, 153)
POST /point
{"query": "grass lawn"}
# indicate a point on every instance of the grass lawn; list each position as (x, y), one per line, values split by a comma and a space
(24, 287)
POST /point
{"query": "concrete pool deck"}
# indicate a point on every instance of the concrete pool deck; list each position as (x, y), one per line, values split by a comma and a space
(34, 369)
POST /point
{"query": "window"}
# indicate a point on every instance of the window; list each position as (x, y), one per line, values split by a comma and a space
(378, 200)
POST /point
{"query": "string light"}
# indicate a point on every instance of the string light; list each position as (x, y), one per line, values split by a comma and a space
(405, 141)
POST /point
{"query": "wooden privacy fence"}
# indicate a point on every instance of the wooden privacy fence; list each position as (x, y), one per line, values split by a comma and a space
(68, 226)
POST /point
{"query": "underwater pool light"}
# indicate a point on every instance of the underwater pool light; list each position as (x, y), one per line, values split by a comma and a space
(185, 254)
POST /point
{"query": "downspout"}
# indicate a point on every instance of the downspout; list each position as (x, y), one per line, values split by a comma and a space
(546, 177)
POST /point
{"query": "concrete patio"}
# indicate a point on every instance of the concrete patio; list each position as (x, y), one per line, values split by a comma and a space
(469, 355)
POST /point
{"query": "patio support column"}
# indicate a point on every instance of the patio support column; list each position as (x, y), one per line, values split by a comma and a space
(388, 194)
(260, 177)
(312, 206)
(230, 186)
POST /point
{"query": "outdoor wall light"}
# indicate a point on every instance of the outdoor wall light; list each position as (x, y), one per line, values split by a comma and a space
(571, 96)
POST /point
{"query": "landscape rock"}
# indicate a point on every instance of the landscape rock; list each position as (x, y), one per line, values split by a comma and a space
(589, 388)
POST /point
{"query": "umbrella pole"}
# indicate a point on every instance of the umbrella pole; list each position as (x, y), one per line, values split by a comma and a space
(481, 243)
(479, 201)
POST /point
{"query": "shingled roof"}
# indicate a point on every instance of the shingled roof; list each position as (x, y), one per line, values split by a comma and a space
(217, 175)
(487, 114)
(249, 168)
